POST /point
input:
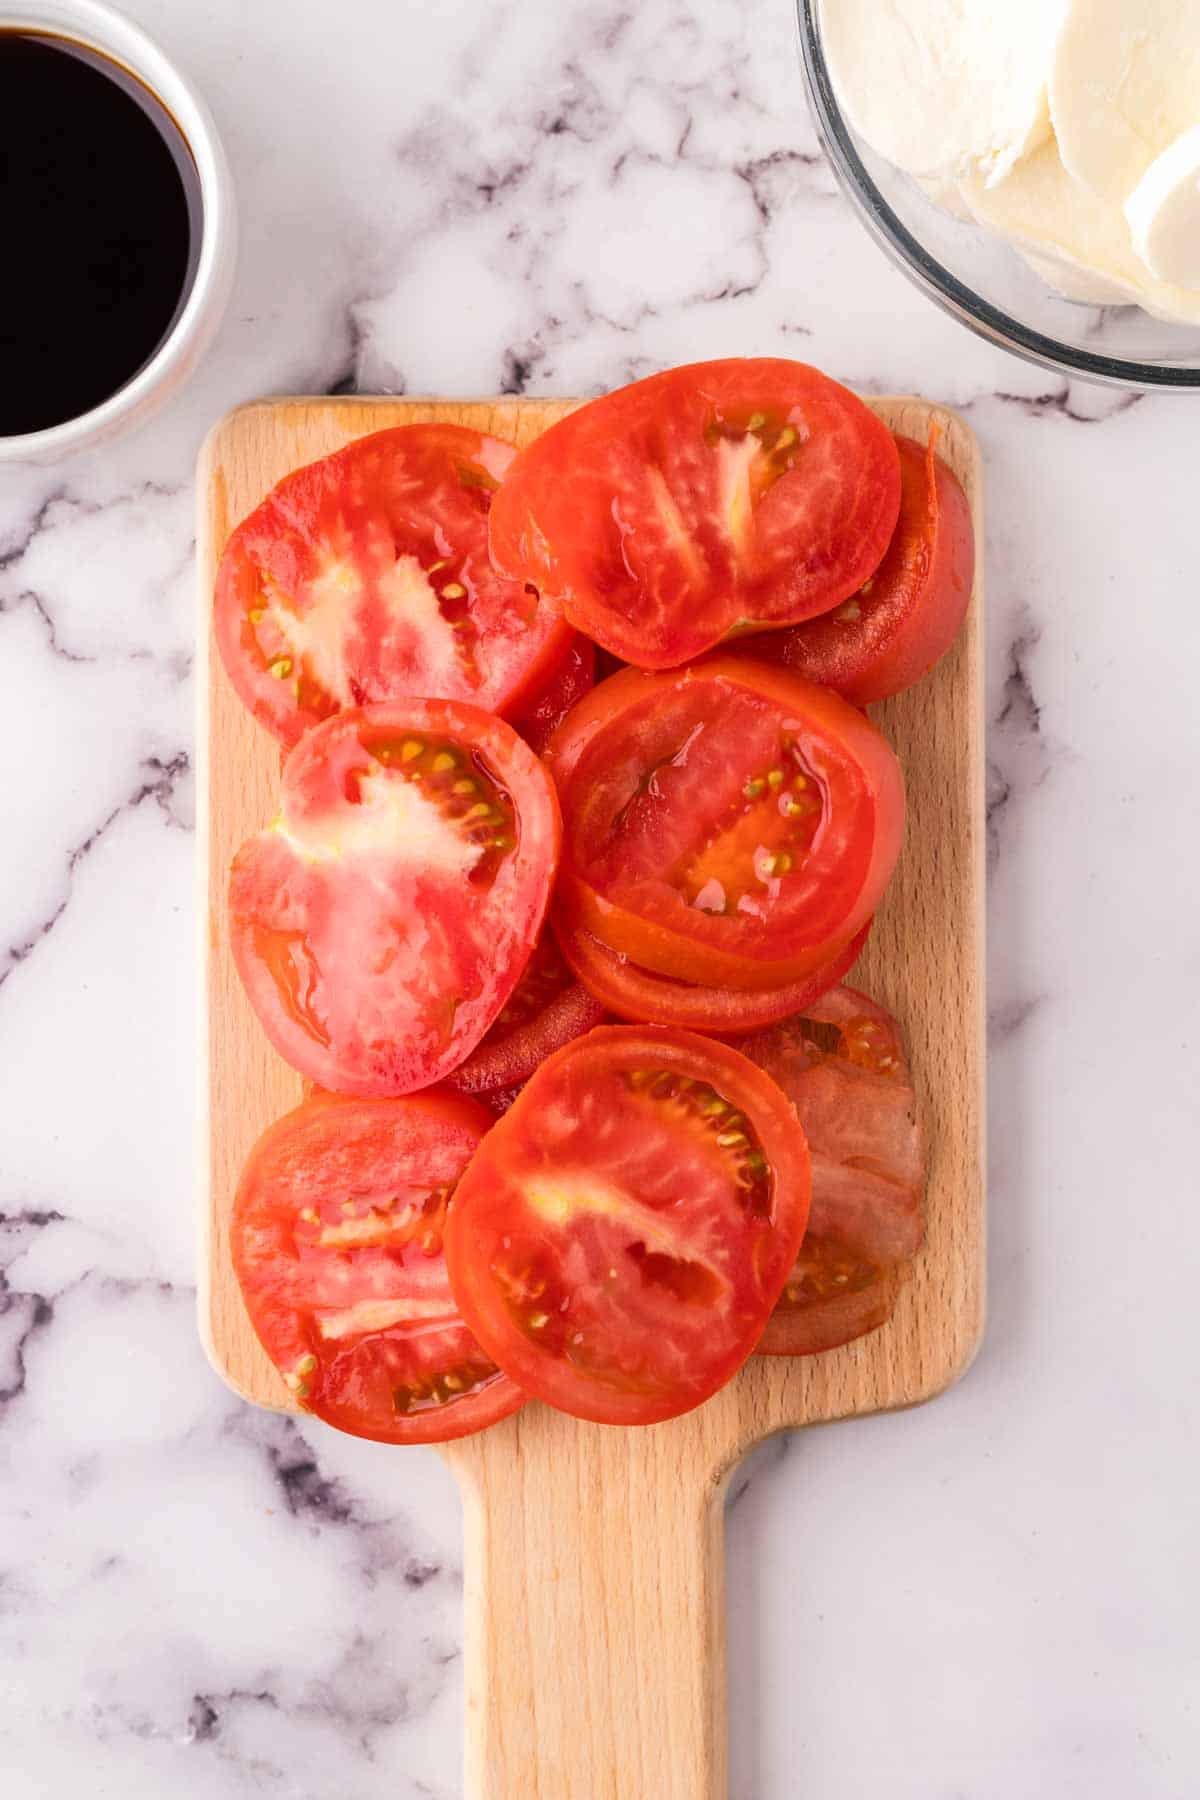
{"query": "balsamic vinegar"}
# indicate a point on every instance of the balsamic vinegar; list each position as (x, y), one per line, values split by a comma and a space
(100, 221)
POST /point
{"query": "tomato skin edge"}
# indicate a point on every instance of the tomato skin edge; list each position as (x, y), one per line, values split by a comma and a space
(570, 1014)
(807, 1331)
(636, 995)
(933, 580)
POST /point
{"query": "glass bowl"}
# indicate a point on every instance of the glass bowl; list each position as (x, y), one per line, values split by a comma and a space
(978, 277)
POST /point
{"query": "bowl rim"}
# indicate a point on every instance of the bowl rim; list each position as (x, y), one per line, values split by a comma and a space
(946, 290)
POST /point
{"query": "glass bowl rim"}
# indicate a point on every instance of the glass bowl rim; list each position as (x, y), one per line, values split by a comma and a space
(945, 289)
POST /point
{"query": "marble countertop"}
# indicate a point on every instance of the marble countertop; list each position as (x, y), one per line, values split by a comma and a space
(994, 1595)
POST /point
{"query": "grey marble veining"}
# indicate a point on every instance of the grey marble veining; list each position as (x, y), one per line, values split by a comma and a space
(994, 1595)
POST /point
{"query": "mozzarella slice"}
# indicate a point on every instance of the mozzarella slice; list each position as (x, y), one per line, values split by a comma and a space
(1124, 85)
(944, 87)
(943, 191)
(1076, 283)
(1164, 212)
(1045, 212)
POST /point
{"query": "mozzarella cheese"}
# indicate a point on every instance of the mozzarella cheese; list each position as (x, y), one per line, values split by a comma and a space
(1124, 83)
(1072, 127)
(1163, 212)
(1074, 282)
(1042, 210)
(943, 191)
(943, 87)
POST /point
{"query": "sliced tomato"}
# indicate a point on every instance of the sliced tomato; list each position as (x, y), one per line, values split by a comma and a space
(623, 1232)
(907, 614)
(710, 500)
(539, 719)
(498, 1100)
(381, 923)
(337, 1244)
(643, 997)
(729, 824)
(545, 1010)
(366, 577)
(855, 1101)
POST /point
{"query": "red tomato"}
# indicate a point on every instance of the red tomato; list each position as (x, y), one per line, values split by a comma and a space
(498, 1100)
(729, 824)
(855, 1101)
(907, 615)
(366, 577)
(545, 1010)
(337, 1243)
(710, 500)
(643, 997)
(624, 1230)
(574, 677)
(381, 923)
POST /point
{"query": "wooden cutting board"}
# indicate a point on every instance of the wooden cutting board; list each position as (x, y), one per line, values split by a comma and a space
(594, 1597)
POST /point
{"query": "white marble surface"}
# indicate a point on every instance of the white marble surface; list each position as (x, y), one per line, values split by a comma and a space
(994, 1596)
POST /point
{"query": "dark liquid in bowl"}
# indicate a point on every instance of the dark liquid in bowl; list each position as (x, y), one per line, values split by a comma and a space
(100, 227)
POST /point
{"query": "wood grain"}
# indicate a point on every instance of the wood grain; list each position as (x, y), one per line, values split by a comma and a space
(594, 1575)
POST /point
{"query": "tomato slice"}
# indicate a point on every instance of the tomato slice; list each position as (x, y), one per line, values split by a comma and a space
(906, 616)
(545, 1010)
(855, 1101)
(623, 1232)
(712, 499)
(382, 921)
(365, 577)
(643, 997)
(337, 1244)
(729, 824)
(575, 676)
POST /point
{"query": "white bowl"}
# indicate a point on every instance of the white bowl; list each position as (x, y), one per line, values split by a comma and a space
(102, 29)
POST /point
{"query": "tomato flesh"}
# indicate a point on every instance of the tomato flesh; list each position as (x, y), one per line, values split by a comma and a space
(546, 1009)
(575, 676)
(337, 1243)
(643, 997)
(365, 577)
(381, 923)
(905, 617)
(856, 1103)
(706, 501)
(729, 824)
(623, 1232)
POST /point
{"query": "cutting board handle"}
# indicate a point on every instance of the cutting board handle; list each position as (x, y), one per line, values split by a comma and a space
(594, 1605)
